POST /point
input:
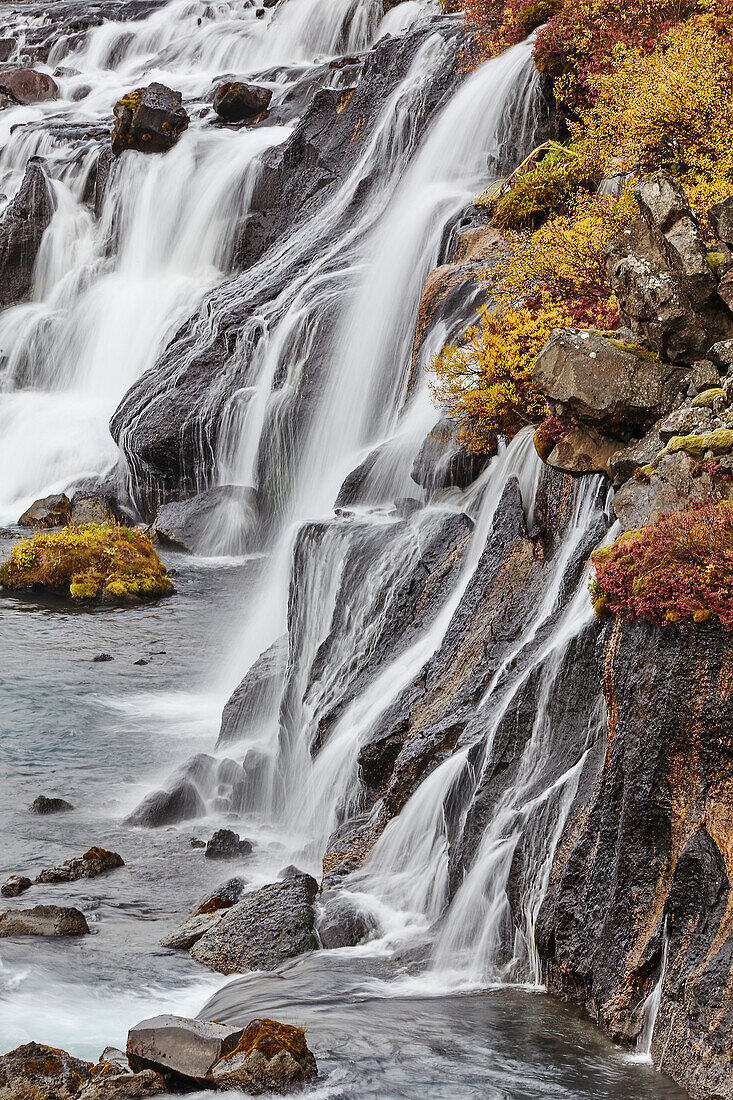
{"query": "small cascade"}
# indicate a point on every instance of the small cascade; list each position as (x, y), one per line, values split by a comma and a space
(650, 1007)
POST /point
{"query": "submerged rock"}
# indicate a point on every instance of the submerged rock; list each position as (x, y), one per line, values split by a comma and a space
(181, 803)
(345, 924)
(267, 927)
(226, 844)
(22, 226)
(236, 101)
(27, 86)
(15, 885)
(43, 920)
(94, 862)
(44, 805)
(150, 120)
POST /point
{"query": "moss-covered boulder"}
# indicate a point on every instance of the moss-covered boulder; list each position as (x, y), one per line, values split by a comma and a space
(150, 120)
(104, 563)
(270, 1057)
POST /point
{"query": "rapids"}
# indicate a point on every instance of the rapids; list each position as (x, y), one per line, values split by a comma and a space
(445, 1001)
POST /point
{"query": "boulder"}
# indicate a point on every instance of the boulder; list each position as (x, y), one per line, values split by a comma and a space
(15, 885)
(43, 920)
(223, 897)
(684, 421)
(44, 805)
(604, 384)
(181, 803)
(21, 230)
(270, 1057)
(219, 520)
(583, 451)
(720, 218)
(236, 101)
(27, 86)
(639, 452)
(94, 862)
(7, 45)
(664, 204)
(150, 120)
(673, 484)
(51, 511)
(256, 700)
(187, 1049)
(108, 1085)
(225, 844)
(267, 927)
(93, 508)
(191, 930)
(443, 461)
(344, 924)
(35, 1071)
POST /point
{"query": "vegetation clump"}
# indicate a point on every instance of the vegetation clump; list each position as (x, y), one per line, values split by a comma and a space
(679, 569)
(106, 563)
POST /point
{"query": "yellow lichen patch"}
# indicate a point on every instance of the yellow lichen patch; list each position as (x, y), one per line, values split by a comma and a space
(107, 562)
(270, 1037)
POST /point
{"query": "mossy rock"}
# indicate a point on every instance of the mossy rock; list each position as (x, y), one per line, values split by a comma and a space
(705, 399)
(101, 563)
(719, 441)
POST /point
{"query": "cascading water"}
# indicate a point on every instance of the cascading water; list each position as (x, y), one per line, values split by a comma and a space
(144, 275)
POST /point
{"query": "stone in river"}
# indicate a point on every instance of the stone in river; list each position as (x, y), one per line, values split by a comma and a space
(14, 885)
(94, 862)
(44, 805)
(225, 844)
(43, 920)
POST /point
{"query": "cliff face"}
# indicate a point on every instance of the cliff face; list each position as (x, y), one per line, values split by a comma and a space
(647, 847)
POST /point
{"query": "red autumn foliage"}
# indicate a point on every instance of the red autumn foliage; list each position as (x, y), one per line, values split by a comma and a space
(678, 569)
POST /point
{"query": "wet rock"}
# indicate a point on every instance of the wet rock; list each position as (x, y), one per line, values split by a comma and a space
(102, 658)
(344, 924)
(603, 385)
(181, 803)
(645, 847)
(480, 244)
(176, 1046)
(583, 452)
(43, 920)
(150, 120)
(226, 844)
(26, 86)
(108, 1085)
(236, 101)
(219, 520)
(44, 805)
(35, 1071)
(51, 511)
(191, 930)
(93, 508)
(223, 897)
(443, 461)
(7, 45)
(255, 702)
(270, 1057)
(15, 885)
(94, 862)
(267, 927)
(196, 843)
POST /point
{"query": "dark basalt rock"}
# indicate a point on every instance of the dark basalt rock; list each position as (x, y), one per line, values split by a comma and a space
(94, 862)
(443, 461)
(21, 229)
(150, 120)
(267, 927)
(219, 520)
(181, 803)
(44, 805)
(35, 1069)
(43, 920)
(255, 702)
(237, 101)
(343, 924)
(646, 847)
(169, 422)
(27, 86)
(52, 511)
(226, 844)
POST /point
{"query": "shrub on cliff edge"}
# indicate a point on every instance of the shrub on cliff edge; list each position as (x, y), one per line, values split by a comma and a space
(678, 569)
(105, 562)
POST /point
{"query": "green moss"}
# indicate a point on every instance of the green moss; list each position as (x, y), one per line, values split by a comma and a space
(132, 99)
(543, 185)
(634, 349)
(91, 562)
(719, 441)
(715, 259)
(705, 399)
